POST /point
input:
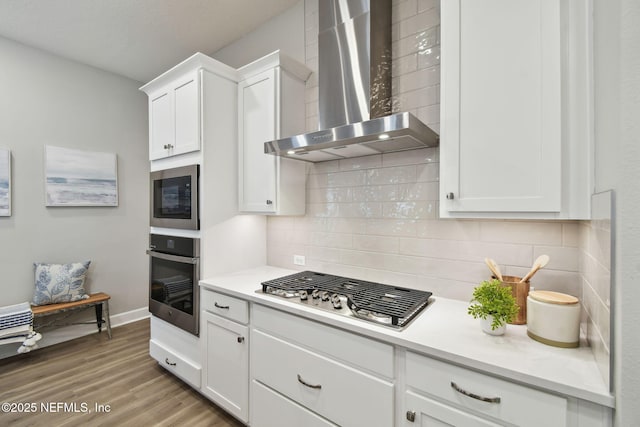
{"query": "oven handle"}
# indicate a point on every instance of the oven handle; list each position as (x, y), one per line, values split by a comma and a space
(175, 258)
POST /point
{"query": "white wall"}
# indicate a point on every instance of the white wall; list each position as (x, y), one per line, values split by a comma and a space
(617, 108)
(284, 32)
(47, 100)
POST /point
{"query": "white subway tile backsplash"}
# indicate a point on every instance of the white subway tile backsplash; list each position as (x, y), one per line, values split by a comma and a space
(391, 227)
(422, 78)
(409, 210)
(424, 5)
(371, 243)
(429, 172)
(329, 195)
(376, 193)
(367, 162)
(331, 240)
(403, 9)
(536, 233)
(416, 23)
(392, 175)
(419, 191)
(348, 179)
(560, 258)
(428, 57)
(411, 157)
(448, 229)
(405, 64)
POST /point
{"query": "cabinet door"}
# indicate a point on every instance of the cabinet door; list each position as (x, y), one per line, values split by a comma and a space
(226, 365)
(161, 124)
(257, 103)
(501, 106)
(186, 94)
(425, 412)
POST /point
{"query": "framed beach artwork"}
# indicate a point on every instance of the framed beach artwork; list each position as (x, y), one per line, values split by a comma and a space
(5, 182)
(80, 178)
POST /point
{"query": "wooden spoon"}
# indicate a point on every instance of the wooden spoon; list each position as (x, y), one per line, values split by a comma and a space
(540, 262)
(494, 268)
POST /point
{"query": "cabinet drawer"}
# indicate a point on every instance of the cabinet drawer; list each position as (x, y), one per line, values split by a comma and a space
(175, 364)
(362, 352)
(428, 412)
(517, 404)
(342, 394)
(225, 306)
(269, 406)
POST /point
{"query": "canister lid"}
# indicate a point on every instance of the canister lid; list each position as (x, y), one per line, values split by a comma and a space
(552, 297)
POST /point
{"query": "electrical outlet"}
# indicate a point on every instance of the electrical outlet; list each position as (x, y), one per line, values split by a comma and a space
(298, 259)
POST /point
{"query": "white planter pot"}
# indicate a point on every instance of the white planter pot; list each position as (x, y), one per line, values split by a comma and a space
(486, 327)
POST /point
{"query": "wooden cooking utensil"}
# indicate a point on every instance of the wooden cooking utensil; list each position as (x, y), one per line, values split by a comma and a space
(494, 268)
(540, 262)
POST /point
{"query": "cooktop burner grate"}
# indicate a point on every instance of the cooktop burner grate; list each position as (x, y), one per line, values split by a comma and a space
(401, 305)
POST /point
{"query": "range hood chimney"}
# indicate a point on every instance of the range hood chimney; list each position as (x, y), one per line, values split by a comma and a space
(355, 102)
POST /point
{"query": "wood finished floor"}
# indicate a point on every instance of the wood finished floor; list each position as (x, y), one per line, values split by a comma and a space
(93, 370)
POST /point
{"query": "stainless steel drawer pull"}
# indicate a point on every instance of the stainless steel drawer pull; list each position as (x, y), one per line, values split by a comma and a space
(223, 307)
(303, 382)
(474, 396)
(166, 360)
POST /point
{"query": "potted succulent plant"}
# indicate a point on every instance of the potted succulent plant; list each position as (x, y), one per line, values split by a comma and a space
(494, 305)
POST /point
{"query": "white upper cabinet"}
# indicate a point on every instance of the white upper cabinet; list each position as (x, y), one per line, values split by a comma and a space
(270, 106)
(175, 106)
(515, 109)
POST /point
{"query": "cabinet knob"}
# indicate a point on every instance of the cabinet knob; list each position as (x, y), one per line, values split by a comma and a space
(269, 202)
(240, 340)
(411, 416)
(450, 196)
(168, 146)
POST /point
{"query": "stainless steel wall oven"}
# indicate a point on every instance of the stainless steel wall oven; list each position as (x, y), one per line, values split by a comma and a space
(174, 272)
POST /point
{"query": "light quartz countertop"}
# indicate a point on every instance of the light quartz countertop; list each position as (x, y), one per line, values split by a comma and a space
(445, 331)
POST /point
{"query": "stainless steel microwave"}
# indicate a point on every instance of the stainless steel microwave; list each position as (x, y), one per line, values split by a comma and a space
(174, 198)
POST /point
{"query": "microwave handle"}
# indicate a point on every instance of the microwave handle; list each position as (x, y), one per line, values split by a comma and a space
(175, 258)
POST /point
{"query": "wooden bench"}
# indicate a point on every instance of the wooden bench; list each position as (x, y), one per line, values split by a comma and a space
(98, 300)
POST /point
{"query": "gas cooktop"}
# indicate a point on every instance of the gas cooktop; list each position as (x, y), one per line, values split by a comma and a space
(385, 305)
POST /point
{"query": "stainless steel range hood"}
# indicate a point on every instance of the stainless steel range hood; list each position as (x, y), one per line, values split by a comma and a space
(355, 101)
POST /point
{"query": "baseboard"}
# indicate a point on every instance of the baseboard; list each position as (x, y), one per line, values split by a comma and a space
(60, 334)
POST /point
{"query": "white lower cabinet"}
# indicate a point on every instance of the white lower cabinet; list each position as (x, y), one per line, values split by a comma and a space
(270, 409)
(439, 393)
(300, 372)
(484, 395)
(302, 369)
(225, 375)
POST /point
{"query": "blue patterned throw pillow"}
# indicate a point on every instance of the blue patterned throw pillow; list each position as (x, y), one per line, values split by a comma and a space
(59, 282)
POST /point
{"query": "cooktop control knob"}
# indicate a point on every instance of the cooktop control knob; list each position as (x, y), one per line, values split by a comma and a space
(303, 295)
(335, 301)
(315, 294)
(324, 296)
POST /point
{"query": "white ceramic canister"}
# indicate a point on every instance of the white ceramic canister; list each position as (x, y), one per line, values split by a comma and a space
(553, 318)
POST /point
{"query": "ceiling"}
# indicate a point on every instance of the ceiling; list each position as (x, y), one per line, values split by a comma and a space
(138, 39)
